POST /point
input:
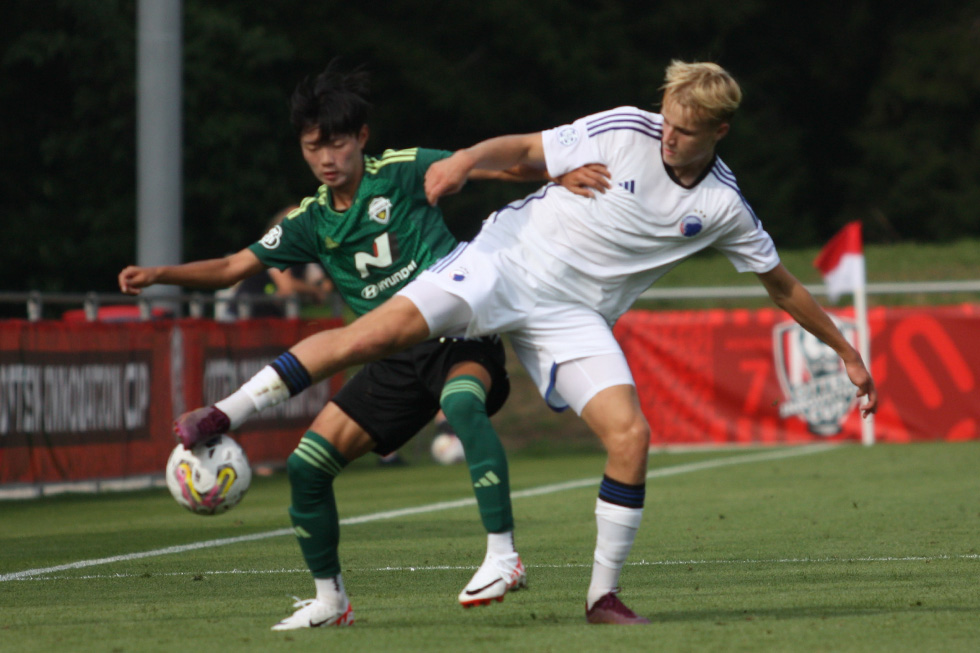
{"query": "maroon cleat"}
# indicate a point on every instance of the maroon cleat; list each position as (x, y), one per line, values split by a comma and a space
(610, 610)
(200, 426)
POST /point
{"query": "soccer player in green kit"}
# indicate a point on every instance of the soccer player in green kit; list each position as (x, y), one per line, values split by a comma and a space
(372, 228)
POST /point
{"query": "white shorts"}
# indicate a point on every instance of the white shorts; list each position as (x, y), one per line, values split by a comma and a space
(567, 348)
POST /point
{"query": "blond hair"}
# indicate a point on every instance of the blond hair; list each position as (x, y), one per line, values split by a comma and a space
(705, 88)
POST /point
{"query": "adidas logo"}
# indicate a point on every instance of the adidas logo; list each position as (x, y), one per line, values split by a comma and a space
(489, 479)
(629, 185)
(302, 532)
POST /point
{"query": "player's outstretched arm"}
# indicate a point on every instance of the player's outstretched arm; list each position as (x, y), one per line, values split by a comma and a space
(447, 176)
(211, 273)
(586, 181)
(790, 295)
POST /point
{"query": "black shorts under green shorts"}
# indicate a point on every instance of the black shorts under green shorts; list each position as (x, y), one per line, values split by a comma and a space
(393, 398)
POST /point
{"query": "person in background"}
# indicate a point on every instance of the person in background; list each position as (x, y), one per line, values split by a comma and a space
(307, 280)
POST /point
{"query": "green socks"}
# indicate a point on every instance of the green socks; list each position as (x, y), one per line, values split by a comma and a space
(312, 467)
(464, 403)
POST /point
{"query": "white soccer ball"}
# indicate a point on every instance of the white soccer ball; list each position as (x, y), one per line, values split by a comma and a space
(211, 478)
(447, 449)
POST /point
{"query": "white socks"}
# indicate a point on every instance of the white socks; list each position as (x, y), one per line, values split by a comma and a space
(501, 544)
(331, 592)
(616, 526)
(263, 390)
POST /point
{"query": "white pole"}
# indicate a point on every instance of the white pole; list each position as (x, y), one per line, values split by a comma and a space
(864, 347)
(159, 187)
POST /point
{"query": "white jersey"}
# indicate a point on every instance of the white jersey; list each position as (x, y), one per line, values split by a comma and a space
(604, 251)
(555, 270)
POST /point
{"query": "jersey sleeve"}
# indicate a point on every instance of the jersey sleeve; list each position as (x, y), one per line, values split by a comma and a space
(569, 147)
(746, 244)
(288, 243)
(424, 157)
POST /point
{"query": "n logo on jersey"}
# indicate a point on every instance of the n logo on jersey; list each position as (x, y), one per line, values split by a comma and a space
(629, 185)
(379, 210)
(379, 258)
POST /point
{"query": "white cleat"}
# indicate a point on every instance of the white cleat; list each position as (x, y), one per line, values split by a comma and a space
(495, 577)
(313, 614)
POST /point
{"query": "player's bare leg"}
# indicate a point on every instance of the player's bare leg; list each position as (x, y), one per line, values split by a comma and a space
(614, 415)
(393, 326)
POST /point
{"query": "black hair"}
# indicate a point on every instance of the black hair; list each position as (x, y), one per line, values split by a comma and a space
(335, 101)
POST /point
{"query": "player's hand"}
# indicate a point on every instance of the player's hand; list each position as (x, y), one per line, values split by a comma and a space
(859, 376)
(133, 277)
(588, 179)
(447, 176)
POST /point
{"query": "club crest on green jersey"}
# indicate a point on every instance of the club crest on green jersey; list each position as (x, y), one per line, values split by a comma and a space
(379, 210)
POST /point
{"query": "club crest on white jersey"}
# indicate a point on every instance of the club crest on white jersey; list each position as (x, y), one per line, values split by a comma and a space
(691, 225)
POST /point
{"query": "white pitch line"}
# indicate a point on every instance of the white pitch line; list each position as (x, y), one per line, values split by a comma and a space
(637, 563)
(776, 454)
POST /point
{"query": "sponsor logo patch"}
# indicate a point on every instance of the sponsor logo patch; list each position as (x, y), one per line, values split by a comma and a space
(373, 290)
(272, 238)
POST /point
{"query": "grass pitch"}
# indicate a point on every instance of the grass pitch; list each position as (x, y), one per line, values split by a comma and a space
(842, 549)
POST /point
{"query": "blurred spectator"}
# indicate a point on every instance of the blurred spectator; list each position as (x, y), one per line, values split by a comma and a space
(309, 281)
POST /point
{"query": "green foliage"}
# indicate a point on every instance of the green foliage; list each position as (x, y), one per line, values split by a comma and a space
(67, 150)
(865, 112)
(920, 134)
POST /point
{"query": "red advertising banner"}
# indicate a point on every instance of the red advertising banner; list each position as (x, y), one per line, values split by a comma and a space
(82, 401)
(755, 377)
(94, 400)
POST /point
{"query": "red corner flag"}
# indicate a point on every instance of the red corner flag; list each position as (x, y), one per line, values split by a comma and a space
(841, 262)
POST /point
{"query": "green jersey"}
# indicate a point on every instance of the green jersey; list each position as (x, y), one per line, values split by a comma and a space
(388, 235)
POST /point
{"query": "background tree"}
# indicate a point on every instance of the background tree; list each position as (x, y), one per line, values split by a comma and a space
(867, 111)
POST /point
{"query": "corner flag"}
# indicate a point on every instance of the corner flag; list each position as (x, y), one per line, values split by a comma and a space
(841, 262)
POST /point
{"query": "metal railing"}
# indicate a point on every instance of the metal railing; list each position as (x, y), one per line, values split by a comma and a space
(889, 288)
(228, 308)
(195, 305)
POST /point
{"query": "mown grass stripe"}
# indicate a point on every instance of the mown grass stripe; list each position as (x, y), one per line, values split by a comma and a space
(776, 454)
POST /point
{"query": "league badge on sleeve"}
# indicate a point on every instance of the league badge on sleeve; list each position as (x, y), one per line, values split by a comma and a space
(567, 136)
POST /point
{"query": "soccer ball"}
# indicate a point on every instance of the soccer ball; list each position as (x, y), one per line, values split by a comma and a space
(447, 449)
(211, 478)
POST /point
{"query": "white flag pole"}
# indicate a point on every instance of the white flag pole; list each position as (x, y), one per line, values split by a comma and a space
(864, 347)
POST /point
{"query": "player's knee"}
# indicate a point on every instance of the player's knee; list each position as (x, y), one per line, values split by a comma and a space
(463, 401)
(306, 473)
(300, 471)
(629, 440)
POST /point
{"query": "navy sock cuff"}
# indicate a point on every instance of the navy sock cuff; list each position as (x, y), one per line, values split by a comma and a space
(621, 494)
(292, 373)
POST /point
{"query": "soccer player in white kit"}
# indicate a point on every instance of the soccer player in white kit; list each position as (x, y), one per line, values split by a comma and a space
(556, 270)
